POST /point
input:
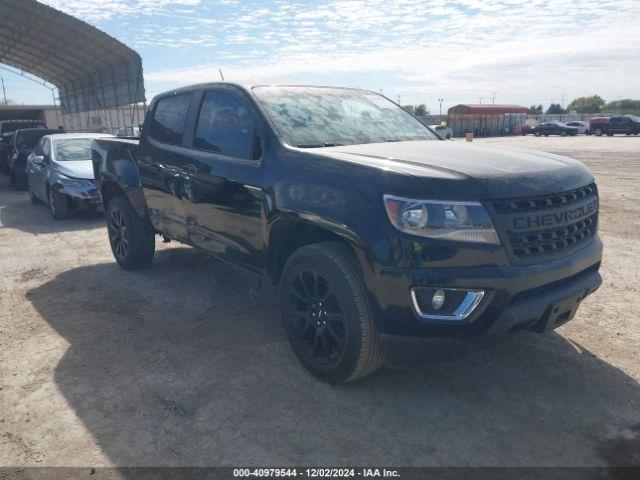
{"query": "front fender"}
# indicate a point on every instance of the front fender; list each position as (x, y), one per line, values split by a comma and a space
(116, 170)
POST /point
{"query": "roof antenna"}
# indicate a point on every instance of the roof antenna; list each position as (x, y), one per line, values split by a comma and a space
(221, 76)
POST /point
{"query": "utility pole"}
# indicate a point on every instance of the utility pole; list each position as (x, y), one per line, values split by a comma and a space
(562, 100)
(440, 100)
(493, 98)
(480, 100)
(221, 76)
(399, 99)
(4, 91)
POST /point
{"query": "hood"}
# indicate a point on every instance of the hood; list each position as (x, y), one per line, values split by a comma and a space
(79, 169)
(461, 170)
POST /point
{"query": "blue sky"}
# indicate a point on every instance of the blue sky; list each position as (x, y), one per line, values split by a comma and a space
(526, 51)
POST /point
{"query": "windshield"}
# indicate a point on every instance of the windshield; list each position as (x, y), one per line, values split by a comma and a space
(73, 150)
(27, 139)
(326, 117)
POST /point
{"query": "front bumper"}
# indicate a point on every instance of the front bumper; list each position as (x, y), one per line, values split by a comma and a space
(540, 314)
(536, 297)
(85, 196)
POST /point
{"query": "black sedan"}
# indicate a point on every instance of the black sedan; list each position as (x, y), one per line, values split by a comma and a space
(554, 128)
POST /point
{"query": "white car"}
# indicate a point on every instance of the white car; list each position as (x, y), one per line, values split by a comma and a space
(444, 131)
(583, 127)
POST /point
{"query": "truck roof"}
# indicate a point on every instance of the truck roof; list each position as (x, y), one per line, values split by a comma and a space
(247, 86)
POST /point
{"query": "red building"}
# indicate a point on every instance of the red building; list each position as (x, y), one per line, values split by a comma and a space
(486, 120)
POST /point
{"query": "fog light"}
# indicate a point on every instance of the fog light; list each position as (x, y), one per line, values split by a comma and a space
(445, 304)
(438, 299)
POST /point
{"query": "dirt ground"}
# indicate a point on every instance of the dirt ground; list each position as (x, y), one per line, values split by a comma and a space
(177, 366)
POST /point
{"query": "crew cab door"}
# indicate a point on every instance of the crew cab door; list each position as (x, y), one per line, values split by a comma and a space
(161, 161)
(223, 194)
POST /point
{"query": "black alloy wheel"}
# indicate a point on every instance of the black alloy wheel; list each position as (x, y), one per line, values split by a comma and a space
(118, 234)
(132, 237)
(326, 314)
(317, 318)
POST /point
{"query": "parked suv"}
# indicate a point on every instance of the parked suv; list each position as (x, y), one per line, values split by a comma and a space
(626, 124)
(387, 243)
(7, 127)
(6, 142)
(24, 141)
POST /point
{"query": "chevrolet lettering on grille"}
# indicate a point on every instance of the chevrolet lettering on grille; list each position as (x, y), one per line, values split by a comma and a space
(526, 222)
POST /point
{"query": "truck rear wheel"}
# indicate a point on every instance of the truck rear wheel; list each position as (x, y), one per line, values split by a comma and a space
(132, 238)
(326, 314)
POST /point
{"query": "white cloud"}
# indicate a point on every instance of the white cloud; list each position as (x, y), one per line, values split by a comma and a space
(526, 50)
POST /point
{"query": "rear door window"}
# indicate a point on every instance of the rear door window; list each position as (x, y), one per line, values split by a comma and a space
(169, 119)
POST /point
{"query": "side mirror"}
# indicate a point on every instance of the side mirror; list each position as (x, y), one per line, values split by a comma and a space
(37, 159)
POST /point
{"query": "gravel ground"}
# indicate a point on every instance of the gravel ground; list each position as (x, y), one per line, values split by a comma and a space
(177, 365)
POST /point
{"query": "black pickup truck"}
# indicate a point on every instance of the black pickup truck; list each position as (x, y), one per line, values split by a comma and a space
(386, 243)
(622, 124)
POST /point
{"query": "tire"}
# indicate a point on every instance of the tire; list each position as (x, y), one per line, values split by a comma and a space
(337, 340)
(58, 204)
(563, 133)
(609, 134)
(132, 239)
(597, 132)
(537, 134)
(20, 182)
(32, 196)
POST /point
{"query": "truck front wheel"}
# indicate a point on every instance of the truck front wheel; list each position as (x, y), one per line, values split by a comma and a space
(326, 314)
(132, 238)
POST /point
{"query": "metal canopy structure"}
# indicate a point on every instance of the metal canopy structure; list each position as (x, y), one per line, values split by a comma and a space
(91, 70)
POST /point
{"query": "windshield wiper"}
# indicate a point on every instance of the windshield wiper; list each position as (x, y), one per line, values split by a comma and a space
(393, 140)
(319, 145)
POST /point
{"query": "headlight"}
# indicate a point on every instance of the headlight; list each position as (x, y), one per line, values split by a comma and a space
(458, 221)
(74, 182)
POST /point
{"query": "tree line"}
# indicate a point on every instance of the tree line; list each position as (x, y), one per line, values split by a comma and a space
(592, 104)
(417, 110)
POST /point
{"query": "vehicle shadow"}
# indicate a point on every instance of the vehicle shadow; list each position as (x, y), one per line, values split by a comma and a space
(17, 212)
(175, 366)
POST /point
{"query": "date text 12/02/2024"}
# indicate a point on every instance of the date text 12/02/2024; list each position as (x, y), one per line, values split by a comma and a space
(316, 472)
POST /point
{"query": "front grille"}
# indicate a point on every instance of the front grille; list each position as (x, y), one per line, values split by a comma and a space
(537, 228)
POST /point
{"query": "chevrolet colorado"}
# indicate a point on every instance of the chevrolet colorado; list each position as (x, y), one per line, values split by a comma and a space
(386, 243)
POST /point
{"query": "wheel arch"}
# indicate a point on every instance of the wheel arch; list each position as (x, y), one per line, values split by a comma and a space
(116, 173)
(290, 233)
